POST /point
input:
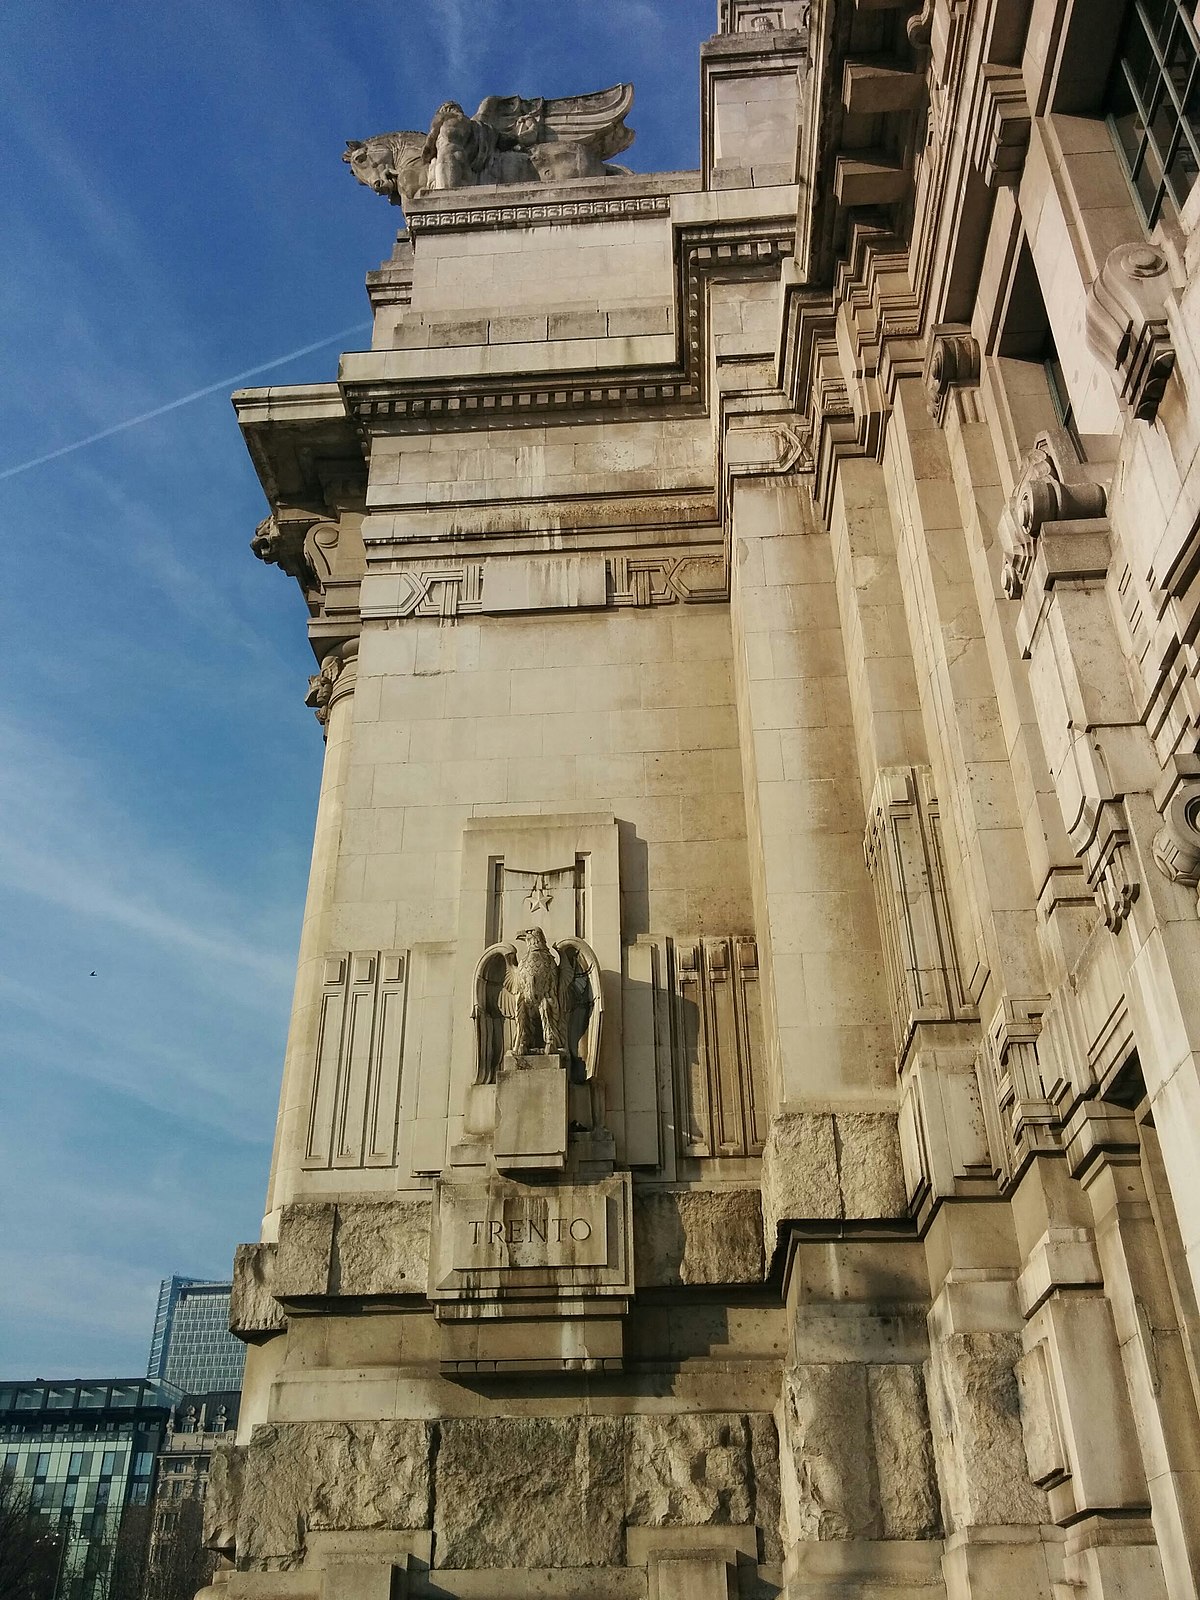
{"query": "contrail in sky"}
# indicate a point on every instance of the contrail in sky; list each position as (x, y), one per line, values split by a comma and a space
(184, 400)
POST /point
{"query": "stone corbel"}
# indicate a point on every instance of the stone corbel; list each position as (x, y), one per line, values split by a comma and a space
(336, 679)
(1028, 1116)
(1100, 837)
(952, 363)
(1002, 131)
(1127, 325)
(1053, 488)
(1177, 843)
(280, 540)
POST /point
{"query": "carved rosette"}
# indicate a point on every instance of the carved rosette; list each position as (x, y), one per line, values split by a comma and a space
(335, 679)
(1045, 492)
(1127, 325)
(952, 363)
(1176, 845)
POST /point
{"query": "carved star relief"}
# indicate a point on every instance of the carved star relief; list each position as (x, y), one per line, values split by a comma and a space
(539, 896)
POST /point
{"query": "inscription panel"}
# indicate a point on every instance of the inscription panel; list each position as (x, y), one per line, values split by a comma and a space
(505, 1238)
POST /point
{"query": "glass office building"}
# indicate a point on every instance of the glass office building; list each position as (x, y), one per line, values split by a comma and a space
(86, 1453)
(192, 1346)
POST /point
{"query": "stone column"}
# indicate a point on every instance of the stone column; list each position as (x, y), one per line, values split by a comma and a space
(1105, 1152)
(331, 693)
(832, 1148)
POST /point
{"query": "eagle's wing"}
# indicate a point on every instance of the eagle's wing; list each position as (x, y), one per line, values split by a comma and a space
(581, 1002)
(595, 120)
(494, 1006)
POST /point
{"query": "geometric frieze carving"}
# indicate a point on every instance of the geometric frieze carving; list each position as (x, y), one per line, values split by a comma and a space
(755, 446)
(517, 584)
(353, 1116)
(1052, 488)
(719, 1051)
(508, 140)
(1127, 324)
(447, 592)
(663, 580)
(904, 855)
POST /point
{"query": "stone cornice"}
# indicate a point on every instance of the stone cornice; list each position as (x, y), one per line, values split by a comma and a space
(728, 251)
(539, 214)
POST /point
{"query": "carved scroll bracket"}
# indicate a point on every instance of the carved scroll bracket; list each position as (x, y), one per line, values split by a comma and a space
(951, 366)
(1127, 325)
(1053, 488)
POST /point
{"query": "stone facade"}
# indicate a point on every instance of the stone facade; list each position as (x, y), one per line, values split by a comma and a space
(739, 1122)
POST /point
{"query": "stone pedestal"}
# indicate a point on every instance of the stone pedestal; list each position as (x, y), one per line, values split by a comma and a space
(531, 1276)
(531, 1114)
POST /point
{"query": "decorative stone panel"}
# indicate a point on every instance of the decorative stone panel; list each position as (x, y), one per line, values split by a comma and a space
(719, 1048)
(354, 1110)
(904, 854)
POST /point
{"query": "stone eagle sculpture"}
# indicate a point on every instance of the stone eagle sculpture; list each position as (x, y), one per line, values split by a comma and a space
(539, 1001)
(508, 140)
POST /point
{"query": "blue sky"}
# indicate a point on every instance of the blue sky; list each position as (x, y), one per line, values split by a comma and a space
(176, 213)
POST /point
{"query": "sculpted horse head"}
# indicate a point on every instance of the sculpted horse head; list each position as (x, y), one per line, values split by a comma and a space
(394, 164)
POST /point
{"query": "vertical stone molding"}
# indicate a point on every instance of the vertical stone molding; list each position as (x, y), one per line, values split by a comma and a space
(719, 1048)
(904, 853)
(1127, 325)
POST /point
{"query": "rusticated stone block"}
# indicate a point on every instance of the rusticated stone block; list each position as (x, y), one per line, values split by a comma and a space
(908, 1496)
(254, 1312)
(857, 1460)
(690, 1470)
(799, 1171)
(976, 1422)
(530, 1492)
(381, 1247)
(870, 1169)
(828, 1485)
(698, 1236)
(226, 1471)
(305, 1252)
(820, 1166)
(344, 1476)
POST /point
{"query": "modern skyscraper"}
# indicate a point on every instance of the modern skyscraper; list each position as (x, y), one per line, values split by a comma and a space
(192, 1346)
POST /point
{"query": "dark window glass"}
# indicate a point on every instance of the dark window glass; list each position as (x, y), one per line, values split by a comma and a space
(1154, 103)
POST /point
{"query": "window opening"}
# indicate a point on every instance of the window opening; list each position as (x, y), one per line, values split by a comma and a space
(1153, 103)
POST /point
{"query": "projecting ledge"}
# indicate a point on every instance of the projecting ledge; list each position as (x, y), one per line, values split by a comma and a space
(611, 354)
